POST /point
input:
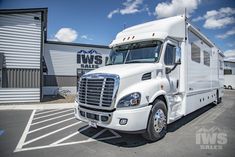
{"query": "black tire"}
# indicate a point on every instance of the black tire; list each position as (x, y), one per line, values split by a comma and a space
(230, 87)
(151, 134)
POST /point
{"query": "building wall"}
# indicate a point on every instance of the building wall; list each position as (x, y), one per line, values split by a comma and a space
(21, 44)
(65, 60)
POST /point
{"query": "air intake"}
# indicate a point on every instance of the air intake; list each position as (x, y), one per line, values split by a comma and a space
(147, 76)
(98, 90)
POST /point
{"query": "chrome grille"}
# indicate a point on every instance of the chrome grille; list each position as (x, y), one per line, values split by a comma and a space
(97, 90)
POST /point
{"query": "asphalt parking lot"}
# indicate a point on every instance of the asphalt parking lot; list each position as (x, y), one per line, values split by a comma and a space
(55, 132)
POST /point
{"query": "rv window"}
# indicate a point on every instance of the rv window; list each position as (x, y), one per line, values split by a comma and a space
(221, 65)
(170, 54)
(195, 53)
(206, 56)
(227, 71)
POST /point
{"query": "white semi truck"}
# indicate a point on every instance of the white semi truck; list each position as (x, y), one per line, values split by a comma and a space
(157, 73)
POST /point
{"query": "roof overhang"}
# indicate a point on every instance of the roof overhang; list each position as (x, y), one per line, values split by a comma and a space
(132, 38)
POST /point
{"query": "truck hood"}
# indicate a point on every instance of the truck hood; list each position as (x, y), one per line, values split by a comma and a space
(126, 70)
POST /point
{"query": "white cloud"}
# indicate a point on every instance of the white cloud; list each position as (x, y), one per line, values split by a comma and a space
(110, 15)
(129, 7)
(176, 7)
(147, 10)
(86, 37)
(227, 34)
(66, 35)
(215, 23)
(217, 19)
(230, 55)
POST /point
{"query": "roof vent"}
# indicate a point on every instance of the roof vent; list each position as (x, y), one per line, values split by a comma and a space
(147, 76)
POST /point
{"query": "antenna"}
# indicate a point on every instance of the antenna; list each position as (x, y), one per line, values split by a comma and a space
(185, 25)
(185, 13)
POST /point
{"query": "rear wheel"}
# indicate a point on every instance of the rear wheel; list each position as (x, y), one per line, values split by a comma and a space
(230, 87)
(157, 123)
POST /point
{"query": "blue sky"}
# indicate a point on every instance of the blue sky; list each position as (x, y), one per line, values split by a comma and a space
(98, 21)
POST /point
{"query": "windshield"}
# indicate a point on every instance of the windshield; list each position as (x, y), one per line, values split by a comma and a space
(141, 52)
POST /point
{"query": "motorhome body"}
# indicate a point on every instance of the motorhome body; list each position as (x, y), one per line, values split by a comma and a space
(157, 72)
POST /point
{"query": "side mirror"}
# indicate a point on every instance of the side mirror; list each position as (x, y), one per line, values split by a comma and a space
(168, 70)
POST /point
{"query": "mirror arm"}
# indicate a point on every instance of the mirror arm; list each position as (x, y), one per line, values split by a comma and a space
(173, 68)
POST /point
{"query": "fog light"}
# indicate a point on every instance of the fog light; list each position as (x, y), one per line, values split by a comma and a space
(123, 121)
(104, 118)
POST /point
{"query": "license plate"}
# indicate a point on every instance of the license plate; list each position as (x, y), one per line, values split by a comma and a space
(93, 124)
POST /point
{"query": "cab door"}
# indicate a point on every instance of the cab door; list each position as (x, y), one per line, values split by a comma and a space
(172, 61)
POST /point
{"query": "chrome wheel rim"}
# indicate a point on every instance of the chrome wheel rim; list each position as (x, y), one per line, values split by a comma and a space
(159, 120)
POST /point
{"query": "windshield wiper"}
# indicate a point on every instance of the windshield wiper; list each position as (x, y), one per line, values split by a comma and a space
(134, 61)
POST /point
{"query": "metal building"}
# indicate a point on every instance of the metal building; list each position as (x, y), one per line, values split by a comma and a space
(22, 34)
(31, 66)
(66, 62)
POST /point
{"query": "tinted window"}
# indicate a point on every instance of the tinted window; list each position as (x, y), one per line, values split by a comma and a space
(140, 52)
(206, 58)
(195, 53)
(117, 57)
(169, 57)
(221, 65)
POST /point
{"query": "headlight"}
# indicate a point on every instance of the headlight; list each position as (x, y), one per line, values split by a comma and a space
(132, 99)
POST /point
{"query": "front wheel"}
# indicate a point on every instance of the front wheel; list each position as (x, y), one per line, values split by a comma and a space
(157, 124)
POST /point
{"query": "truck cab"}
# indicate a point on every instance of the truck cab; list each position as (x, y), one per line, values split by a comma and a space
(143, 87)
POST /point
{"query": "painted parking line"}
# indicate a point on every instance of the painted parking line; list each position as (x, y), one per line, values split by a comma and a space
(69, 136)
(50, 125)
(52, 114)
(47, 111)
(55, 137)
(24, 135)
(48, 134)
(70, 143)
(46, 120)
